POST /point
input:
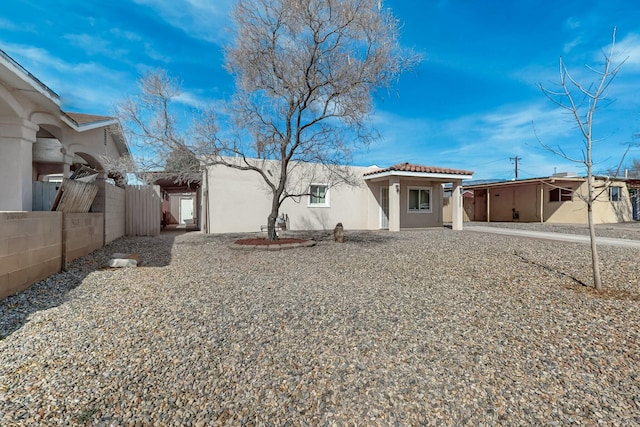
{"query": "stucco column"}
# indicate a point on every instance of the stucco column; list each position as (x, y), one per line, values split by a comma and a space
(67, 159)
(394, 204)
(456, 202)
(17, 137)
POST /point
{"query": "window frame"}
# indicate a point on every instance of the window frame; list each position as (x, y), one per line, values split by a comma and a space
(419, 210)
(326, 202)
(618, 197)
(564, 195)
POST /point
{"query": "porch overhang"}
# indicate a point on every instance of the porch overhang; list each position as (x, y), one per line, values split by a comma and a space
(407, 172)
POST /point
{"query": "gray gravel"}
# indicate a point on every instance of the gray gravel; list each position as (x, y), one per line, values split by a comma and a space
(431, 327)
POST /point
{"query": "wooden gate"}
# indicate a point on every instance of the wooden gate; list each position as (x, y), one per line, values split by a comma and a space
(143, 210)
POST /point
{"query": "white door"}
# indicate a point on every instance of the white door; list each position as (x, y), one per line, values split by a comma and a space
(186, 210)
(384, 207)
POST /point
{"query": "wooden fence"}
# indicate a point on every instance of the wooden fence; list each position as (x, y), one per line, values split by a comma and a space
(143, 210)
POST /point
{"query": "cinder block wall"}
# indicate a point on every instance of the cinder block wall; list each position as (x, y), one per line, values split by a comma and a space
(82, 233)
(30, 249)
(110, 200)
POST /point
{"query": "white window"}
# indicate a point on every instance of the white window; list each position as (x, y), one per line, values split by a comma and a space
(318, 195)
(615, 193)
(419, 199)
(560, 195)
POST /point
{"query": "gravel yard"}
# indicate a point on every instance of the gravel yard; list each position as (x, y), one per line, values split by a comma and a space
(431, 327)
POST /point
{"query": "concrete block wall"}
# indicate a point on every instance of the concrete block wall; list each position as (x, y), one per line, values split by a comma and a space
(82, 233)
(30, 249)
(111, 201)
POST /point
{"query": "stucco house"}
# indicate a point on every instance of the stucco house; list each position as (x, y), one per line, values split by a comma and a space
(40, 144)
(39, 139)
(402, 196)
(554, 199)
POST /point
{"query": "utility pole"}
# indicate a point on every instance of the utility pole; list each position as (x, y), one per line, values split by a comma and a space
(515, 159)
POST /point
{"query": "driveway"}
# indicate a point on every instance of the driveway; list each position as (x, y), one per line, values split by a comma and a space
(546, 235)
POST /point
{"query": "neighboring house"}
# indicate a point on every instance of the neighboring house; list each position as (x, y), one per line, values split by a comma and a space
(402, 196)
(634, 194)
(554, 199)
(38, 139)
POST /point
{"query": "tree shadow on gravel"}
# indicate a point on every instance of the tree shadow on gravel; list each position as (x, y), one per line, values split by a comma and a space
(54, 290)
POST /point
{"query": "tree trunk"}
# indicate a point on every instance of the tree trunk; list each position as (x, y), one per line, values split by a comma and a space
(273, 216)
(595, 261)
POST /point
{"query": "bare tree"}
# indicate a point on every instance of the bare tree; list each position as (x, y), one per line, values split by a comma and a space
(581, 102)
(305, 72)
(163, 143)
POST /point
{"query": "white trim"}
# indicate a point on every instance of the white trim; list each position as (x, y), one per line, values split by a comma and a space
(327, 202)
(447, 176)
(420, 211)
(87, 126)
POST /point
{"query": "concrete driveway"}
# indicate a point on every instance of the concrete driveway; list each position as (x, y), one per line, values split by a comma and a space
(545, 235)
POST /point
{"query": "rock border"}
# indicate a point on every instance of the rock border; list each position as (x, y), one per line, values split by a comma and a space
(273, 246)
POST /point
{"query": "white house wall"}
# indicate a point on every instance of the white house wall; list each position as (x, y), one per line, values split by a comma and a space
(239, 201)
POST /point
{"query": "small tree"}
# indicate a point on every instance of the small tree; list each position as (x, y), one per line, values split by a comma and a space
(162, 142)
(581, 102)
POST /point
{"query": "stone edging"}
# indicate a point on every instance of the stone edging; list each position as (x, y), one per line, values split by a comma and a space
(273, 247)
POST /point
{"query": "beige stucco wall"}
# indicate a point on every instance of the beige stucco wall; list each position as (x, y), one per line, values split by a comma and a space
(239, 201)
(30, 249)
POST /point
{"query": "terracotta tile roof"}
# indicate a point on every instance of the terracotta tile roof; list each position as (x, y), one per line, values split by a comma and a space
(83, 119)
(408, 167)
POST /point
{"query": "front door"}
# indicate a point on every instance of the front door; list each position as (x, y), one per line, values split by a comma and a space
(384, 208)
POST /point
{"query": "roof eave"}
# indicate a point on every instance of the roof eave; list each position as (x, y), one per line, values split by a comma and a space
(87, 126)
(432, 175)
(29, 79)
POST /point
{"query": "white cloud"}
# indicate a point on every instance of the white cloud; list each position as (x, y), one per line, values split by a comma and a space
(8, 25)
(628, 48)
(81, 86)
(203, 19)
(572, 23)
(484, 142)
(570, 45)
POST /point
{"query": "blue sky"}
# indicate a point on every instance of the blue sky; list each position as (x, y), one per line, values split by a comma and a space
(471, 104)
